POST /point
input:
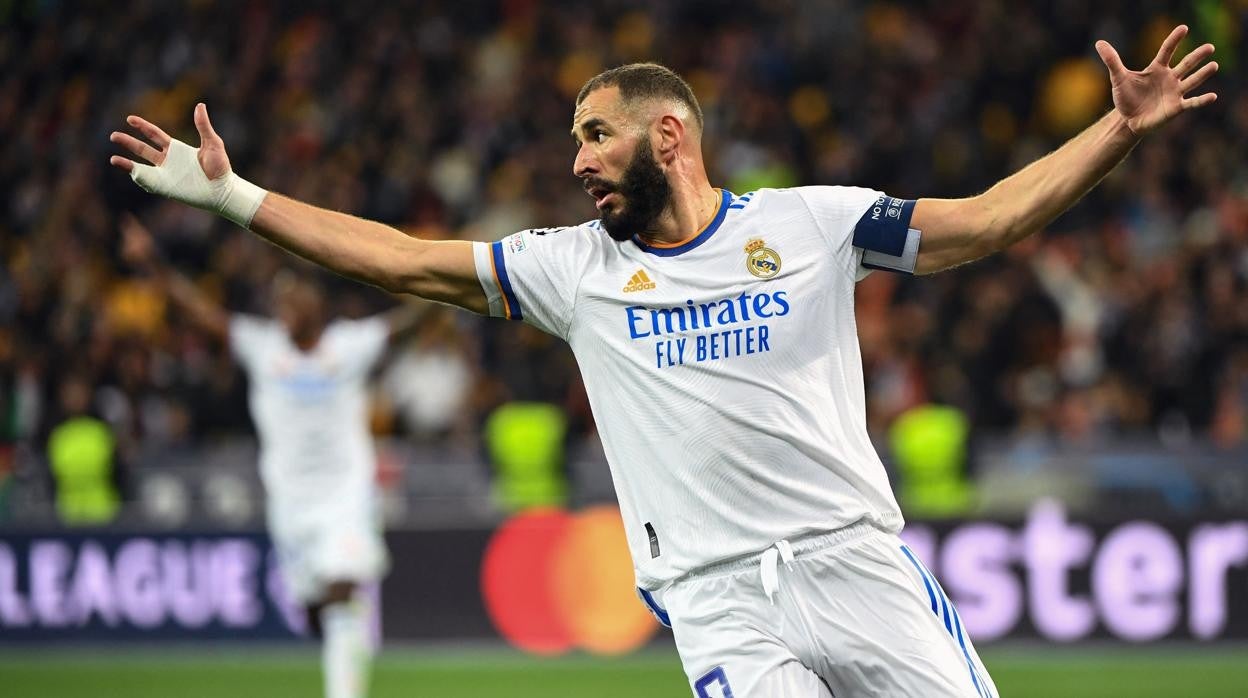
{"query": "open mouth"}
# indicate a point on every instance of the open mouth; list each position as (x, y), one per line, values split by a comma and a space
(601, 195)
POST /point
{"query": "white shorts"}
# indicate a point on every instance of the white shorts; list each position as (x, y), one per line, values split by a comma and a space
(850, 613)
(316, 552)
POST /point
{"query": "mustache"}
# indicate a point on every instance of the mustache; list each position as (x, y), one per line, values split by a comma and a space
(591, 183)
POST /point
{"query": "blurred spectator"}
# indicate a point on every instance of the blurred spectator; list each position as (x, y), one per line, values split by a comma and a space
(430, 382)
(525, 441)
(929, 446)
(83, 456)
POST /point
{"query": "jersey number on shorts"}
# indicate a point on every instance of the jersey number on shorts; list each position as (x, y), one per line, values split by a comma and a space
(714, 677)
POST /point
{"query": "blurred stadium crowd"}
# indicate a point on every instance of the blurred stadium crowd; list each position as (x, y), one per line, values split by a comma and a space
(449, 119)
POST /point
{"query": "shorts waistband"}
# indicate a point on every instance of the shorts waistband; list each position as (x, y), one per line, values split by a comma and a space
(801, 545)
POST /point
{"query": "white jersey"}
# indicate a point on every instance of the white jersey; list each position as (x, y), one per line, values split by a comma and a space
(724, 372)
(310, 410)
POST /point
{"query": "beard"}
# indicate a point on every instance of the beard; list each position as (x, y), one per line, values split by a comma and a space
(644, 190)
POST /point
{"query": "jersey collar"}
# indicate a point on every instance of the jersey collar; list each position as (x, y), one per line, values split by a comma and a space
(673, 249)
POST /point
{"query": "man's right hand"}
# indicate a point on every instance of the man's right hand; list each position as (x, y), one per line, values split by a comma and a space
(200, 177)
(442, 270)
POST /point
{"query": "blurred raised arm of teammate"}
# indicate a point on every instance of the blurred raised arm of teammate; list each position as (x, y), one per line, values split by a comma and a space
(139, 251)
(956, 231)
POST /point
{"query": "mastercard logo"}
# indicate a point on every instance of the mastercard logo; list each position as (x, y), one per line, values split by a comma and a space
(554, 581)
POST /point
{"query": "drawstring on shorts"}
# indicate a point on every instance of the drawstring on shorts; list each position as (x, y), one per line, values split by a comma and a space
(767, 561)
(769, 567)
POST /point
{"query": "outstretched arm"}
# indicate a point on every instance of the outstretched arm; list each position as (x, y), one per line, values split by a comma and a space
(364, 250)
(139, 251)
(956, 231)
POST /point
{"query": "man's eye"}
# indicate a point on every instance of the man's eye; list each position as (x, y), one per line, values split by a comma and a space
(599, 136)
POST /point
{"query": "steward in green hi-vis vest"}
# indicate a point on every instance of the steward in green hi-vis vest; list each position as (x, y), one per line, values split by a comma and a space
(929, 445)
(525, 442)
(82, 453)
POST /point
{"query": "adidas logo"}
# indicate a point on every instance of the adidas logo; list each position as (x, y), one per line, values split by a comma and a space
(639, 282)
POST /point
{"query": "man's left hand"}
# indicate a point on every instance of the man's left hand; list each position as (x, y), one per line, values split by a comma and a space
(1148, 98)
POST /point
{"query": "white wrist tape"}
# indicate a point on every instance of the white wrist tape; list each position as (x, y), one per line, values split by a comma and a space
(181, 178)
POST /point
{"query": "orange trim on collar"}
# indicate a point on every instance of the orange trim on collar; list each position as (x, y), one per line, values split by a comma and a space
(714, 215)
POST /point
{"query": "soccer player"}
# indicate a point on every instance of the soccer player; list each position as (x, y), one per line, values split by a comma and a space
(715, 333)
(307, 377)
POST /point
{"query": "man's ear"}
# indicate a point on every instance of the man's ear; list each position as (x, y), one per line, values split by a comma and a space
(671, 133)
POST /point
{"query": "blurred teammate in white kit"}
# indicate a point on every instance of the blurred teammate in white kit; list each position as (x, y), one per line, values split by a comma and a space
(307, 380)
(716, 337)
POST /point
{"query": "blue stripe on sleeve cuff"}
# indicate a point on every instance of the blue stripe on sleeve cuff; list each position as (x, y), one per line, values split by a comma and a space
(510, 302)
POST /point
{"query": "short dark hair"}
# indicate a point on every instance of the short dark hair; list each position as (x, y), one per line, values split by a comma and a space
(645, 81)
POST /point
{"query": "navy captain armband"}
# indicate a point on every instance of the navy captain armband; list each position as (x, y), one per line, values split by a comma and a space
(885, 237)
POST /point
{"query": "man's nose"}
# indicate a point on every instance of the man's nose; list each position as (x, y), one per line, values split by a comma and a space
(585, 163)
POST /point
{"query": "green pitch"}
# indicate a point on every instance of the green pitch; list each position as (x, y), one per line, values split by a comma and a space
(1209, 672)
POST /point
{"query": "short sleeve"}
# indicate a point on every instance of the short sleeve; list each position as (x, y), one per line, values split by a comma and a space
(869, 228)
(248, 333)
(534, 275)
(362, 342)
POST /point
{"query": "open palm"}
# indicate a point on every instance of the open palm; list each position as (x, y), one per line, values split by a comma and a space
(200, 177)
(211, 152)
(1148, 98)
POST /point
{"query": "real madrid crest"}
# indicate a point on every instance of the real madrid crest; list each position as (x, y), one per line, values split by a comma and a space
(762, 261)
